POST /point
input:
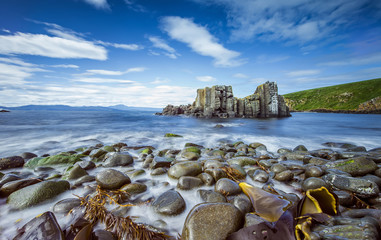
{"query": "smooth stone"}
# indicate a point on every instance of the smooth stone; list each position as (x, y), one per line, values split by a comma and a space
(191, 156)
(265, 163)
(115, 159)
(62, 158)
(316, 161)
(252, 219)
(345, 198)
(111, 179)
(36, 193)
(362, 187)
(242, 161)
(284, 176)
(227, 187)
(373, 178)
(210, 196)
(84, 179)
(188, 182)
(210, 164)
(313, 183)
(356, 166)
(284, 151)
(87, 165)
(215, 221)
(64, 206)
(299, 148)
(299, 156)
(237, 168)
(137, 173)
(134, 188)
(43, 169)
(158, 171)
(260, 175)
(169, 203)
(206, 178)
(28, 155)
(13, 186)
(74, 172)
(44, 227)
(185, 169)
(277, 168)
(242, 203)
(100, 234)
(11, 162)
(217, 153)
(161, 162)
(359, 213)
(97, 155)
(314, 171)
(216, 173)
(378, 172)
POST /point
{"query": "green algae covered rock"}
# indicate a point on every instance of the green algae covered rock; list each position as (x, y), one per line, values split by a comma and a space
(172, 135)
(62, 158)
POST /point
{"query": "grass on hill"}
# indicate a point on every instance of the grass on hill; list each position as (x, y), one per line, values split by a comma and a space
(339, 97)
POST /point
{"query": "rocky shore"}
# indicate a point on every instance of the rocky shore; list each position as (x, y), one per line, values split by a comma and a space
(139, 192)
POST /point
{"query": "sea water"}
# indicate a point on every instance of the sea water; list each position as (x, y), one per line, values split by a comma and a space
(52, 132)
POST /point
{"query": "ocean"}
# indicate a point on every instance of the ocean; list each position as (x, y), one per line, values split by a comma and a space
(51, 132)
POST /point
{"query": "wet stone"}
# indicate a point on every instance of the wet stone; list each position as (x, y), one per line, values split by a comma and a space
(134, 188)
(190, 156)
(84, 179)
(111, 179)
(169, 203)
(210, 196)
(260, 176)
(300, 148)
(64, 206)
(208, 221)
(314, 171)
(210, 164)
(242, 203)
(242, 161)
(158, 171)
(216, 173)
(252, 219)
(188, 182)
(11, 162)
(41, 227)
(345, 198)
(87, 165)
(206, 178)
(185, 169)
(227, 186)
(356, 166)
(284, 176)
(313, 183)
(13, 186)
(114, 159)
(161, 162)
(75, 172)
(28, 155)
(100, 234)
(277, 168)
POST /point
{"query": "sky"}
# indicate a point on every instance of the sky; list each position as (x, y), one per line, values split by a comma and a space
(150, 53)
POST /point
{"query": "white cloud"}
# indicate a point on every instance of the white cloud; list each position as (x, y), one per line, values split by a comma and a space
(200, 41)
(112, 73)
(206, 78)
(240, 75)
(65, 66)
(12, 75)
(294, 20)
(135, 7)
(5, 30)
(16, 61)
(47, 46)
(102, 80)
(300, 73)
(131, 47)
(159, 80)
(161, 44)
(99, 4)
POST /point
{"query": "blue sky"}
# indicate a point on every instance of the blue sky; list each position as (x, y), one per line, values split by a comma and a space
(154, 52)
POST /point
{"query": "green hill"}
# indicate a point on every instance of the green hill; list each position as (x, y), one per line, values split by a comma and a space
(343, 97)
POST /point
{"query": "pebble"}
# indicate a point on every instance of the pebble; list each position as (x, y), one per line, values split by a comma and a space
(227, 187)
(111, 179)
(169, 203)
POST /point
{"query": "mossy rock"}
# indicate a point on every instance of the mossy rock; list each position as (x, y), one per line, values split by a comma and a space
(193, 145)
(62, 158)
(146, 151)
(238, 143)
(359, 166)
(37, 193)
(172, 135)
(109, 149)
(162, 152)
(192, 149)
(74, 172)
(81, 149)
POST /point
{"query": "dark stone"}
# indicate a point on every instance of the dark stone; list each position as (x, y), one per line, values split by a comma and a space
(185, 169)
(216, 173)
(100, 234)
(84, 179)
(28, 155)
(313, 183)
(345, 198)
(111, 179)
(210, 196)
(301, 148)
(87, 165)
(188, 182)
(215, 221)
(356, 166)
(44, 227)
(314, 171)
(158, 171)
(74, 172)
(206, 178)
(277, 168)
(169, 203)
(252, 219)
(115, 159)
(13, 186)
(134, 188)
(161, 162)
(242, 203)
(227, 187)
(11, 162)
(260, 176)
(284, 176)
(64, 206)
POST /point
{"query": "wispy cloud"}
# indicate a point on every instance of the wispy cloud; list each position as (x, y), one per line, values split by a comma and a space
(355, 60)
(101, 80)
(240, 75)
(64, 66)
(132, 47)
(16, 61)
(300, 73)
(298, 21)
(13, 74)
(47, 46)
(159, 80)
(200, 40)
(99, 4)
(134, 6)
(206, 78)
(271, 58)
(112, 73)
(161, 44)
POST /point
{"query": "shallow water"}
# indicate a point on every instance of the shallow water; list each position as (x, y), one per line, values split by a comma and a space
(52, 132)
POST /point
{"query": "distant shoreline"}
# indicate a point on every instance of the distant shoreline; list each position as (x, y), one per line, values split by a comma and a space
(340, 111)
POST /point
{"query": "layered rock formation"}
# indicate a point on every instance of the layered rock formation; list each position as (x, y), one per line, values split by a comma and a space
(218, 101)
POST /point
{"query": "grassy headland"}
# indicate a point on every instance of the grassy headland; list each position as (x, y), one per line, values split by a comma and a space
(343, 97)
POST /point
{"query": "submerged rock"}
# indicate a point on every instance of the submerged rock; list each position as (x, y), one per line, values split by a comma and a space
(37, 193)
(185, 169)
(215, 221)
(111, 179)
(64, 206)
(169, 203)
(62, 158)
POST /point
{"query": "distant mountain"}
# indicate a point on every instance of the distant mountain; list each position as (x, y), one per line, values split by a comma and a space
(363, 96)
(127, 108)
(83, 108)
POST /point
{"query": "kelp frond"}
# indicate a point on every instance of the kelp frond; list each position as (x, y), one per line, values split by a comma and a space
(233, 174)
(123, 227)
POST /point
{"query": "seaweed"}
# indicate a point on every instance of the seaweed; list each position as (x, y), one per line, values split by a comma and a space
(122, 227)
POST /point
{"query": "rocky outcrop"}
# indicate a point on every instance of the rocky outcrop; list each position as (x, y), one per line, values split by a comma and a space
(372, 105)
(218, 101)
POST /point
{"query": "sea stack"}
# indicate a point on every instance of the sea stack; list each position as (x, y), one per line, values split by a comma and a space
(219, 101)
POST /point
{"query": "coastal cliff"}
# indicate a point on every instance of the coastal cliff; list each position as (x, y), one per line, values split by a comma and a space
(219, 101)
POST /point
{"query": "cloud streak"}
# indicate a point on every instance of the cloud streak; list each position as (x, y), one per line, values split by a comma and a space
(300, 73)
(99, 4)
(161, 44)
(200, 40)
(206, 78)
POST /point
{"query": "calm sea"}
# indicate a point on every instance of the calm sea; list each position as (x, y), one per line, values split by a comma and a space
(56, 131)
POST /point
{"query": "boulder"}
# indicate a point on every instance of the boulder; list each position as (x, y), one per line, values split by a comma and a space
(359, 166)
(185, 169)
(169, 203)
(212, 221)
(111, 179)
(11, 162)
(115, 159)
(62, 158)
(64, 206)
(37, 193)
